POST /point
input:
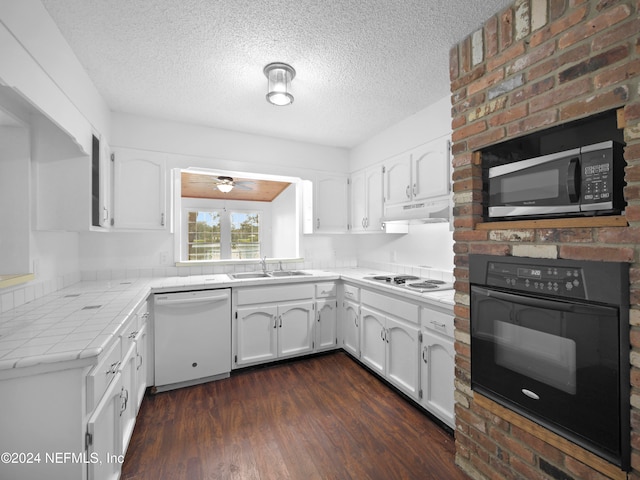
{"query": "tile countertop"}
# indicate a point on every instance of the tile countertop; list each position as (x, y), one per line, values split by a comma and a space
(79, 322)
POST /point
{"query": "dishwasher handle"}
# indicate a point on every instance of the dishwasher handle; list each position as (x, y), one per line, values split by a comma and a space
(190, 300)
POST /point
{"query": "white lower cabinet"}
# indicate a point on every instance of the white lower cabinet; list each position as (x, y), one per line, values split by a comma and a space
(390, 347)
(103, 435)
(351, 327)
(272, 322)
(438, 365)
(326, 307)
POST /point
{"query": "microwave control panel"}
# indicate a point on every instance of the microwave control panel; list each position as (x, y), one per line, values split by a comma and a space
(597, 176)
(560, 281)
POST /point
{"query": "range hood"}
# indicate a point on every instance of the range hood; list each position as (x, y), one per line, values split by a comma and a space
(432, 210)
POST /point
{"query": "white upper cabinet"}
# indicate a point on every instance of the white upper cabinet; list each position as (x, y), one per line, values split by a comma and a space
(422, 173)
(139, 190)
(366, 200)
(397, 179)
(330, 204)
(430, 170)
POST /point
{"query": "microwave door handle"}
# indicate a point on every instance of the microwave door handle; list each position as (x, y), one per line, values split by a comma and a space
(573, 180)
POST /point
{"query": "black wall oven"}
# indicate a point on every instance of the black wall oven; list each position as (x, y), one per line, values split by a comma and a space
(550, 340)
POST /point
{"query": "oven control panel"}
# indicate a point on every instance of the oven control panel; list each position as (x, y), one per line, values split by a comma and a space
(561, 281)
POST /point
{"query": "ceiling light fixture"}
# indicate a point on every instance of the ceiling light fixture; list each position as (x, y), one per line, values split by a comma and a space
(225, 184)
(279, 76)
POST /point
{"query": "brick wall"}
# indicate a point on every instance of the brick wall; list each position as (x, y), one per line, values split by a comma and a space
(535, 65)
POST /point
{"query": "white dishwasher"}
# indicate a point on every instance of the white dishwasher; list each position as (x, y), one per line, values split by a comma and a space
(192, 337)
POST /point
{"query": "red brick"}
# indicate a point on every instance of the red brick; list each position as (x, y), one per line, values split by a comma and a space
(512, 446)
(632, 213)
(614, 35)
(619, 74)
(608, 254)
(527, 471)
(556, 9)
(490, 248)
(631, 192)
(532, 57)
(461, 311)
(458, 147)
(560, 95)
(469, 130)
(582, 471)
(506, 56)
(567, 21)
(467, 77)
(593, 63)
(492, 136)
(540, 446)
(510, 115)
(597, 24)
(533, 122)
(632, 152)
(462, 159)
(464, 222)
(491, 37)
(506, 28)
(485, 82)
(458, 122)
(465, 56)
(533, 90)
(470, 235)
(472, 183)
(632, 173)
(619, 235)
(565, 235)
(632, 112)
(454, 66)
(595, 103)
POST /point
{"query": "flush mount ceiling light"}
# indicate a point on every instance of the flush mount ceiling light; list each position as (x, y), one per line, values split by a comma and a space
(279, 76)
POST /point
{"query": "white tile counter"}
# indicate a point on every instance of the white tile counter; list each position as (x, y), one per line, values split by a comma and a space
(80, 321)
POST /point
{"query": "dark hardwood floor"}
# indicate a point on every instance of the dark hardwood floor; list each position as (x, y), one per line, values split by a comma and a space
(323, 417)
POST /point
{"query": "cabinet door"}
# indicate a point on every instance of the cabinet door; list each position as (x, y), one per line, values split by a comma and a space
(438, 373)
(256, 334)
(358, 201)
(351, 328)
(102, 216)
(331, 204)
(129, 390)
(326, 324)
(103, 434)
(139, 191)
(430, 170)
(142, 364)
(372, 339)
(397, 179)
(295, 328)
(403, 354)
(374, 199)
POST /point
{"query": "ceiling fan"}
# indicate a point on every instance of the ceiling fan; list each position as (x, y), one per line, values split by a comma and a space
(225, 184)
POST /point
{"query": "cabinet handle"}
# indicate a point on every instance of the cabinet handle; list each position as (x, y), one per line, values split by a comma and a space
(162, 219)
(113, 368)
(348, 294)
(280, 321)
(355, 319)
(437, 324)
(382, 335)
(105, 214)
(362, 222)
(386, 335)
(425, 353)
(141, 360)
(318, 223)
(124, 399)
(415, 189)
(366, 222)
(408, 191)
(132, 335)
(275, 321)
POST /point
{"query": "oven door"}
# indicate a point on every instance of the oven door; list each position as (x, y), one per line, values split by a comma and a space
(539, 186)
(556, 362)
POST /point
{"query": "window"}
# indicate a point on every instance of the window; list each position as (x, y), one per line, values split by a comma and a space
(245, 235)
(221, 235)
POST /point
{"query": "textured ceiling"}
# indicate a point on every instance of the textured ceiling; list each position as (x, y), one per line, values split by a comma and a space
(362, 65)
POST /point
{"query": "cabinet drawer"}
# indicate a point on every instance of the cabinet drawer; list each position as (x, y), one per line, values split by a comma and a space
(396, 307)
(437, 321)
(274, 294)
(351, 293)
(99, 378)
(325, 290)
(129, 332)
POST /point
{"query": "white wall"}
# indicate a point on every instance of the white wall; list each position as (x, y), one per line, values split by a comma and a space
(430, 244)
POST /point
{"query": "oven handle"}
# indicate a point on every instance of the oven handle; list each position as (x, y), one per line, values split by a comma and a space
(558, 305)
(573, 179)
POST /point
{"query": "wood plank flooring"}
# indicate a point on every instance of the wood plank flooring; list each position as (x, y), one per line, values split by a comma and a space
(323, 417)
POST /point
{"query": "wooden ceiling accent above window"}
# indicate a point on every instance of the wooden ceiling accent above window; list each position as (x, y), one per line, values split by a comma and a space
(195, 185)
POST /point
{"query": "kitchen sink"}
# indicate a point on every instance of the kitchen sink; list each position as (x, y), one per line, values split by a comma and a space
(287, 273)
(273, 274)
(244, 275)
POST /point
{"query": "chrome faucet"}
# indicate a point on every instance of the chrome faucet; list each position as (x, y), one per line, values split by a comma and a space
(263, 263)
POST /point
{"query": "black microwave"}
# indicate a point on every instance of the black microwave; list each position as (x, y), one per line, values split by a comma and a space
(582, 181)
